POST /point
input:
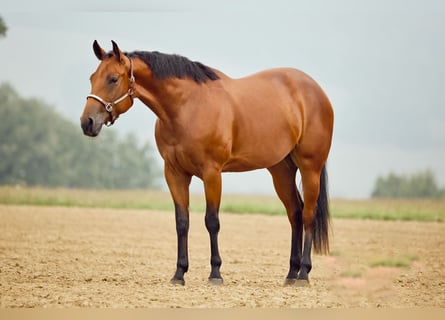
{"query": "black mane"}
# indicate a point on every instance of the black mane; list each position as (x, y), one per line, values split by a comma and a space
(166, 66)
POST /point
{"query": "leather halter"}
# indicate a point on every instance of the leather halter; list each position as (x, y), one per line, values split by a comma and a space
(109, 105)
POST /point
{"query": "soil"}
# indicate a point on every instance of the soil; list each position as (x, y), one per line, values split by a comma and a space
(77, 257)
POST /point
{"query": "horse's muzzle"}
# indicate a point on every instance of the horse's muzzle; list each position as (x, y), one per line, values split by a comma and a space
(90, 127)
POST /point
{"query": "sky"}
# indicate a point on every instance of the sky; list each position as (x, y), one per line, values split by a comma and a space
(380, 62)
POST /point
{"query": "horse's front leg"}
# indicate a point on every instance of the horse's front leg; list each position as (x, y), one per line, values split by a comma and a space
(179, 188)
(212, 188)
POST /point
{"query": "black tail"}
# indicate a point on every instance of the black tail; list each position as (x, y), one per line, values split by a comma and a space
(322, 218)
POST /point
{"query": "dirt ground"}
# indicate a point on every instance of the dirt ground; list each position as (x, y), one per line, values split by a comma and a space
(75, 257)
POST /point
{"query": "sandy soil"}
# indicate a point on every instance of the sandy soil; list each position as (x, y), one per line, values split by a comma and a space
(72, 257)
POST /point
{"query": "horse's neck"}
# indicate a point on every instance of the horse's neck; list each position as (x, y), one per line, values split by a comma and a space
(163, 97)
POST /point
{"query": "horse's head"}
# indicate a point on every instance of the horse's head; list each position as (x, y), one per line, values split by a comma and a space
(111, 90)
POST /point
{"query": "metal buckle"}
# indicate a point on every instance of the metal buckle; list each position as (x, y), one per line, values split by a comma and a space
(109, 106)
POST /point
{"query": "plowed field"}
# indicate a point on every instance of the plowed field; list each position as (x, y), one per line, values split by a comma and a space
(72, 257)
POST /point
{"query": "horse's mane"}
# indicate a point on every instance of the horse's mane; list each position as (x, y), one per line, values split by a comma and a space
(166, 66)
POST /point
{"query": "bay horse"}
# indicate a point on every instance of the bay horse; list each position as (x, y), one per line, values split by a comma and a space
(208, 123)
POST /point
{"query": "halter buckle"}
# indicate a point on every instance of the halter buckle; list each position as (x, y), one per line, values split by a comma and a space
(109, 106)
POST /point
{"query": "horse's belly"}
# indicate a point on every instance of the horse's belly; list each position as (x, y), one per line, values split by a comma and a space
(264, 142)
(240, 165)
(259, 155)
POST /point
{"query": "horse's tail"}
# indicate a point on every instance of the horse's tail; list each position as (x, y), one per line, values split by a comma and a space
(322, 217)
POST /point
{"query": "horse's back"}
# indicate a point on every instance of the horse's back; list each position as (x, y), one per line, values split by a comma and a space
(271, 111)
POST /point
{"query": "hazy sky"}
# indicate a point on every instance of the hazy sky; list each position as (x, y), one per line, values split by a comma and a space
(380, 62)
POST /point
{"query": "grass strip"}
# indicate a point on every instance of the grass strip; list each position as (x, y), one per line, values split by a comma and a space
(373, 209)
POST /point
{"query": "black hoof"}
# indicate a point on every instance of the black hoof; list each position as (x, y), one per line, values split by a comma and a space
(216, 281)
(177, 282)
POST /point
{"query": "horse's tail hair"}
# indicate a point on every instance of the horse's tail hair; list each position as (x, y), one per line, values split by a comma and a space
(322, 217)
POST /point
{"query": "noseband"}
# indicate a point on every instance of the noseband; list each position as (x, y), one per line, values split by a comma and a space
(109, 105)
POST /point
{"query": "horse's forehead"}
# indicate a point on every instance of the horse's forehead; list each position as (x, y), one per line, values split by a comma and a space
(104, 68)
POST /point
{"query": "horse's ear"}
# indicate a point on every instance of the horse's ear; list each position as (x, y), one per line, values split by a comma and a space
(98, 51)
(117, 52)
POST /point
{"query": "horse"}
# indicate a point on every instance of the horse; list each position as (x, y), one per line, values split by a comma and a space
(208, 123)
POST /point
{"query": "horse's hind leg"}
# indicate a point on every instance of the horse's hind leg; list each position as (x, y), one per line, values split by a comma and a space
(315, 227)
(283, 175)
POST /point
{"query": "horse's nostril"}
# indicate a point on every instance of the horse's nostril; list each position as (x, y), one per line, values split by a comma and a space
(87, 125)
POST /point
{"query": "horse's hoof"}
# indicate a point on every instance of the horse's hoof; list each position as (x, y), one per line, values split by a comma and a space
(289, 282)
(300, 283)
(216, 281)
(177, 282)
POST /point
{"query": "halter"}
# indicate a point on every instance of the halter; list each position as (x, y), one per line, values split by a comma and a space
(109, 105)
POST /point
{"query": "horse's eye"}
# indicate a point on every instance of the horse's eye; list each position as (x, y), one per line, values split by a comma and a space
(112, 80)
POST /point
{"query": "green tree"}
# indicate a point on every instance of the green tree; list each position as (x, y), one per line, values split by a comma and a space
(3, 28)
(39, 147)
(419, 185)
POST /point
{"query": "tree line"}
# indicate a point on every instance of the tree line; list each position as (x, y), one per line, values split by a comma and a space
(38, 147)
(3, 28)
(418, 185)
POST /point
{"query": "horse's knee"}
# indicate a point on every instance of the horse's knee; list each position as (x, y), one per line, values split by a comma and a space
(212, 222)
(182, 222)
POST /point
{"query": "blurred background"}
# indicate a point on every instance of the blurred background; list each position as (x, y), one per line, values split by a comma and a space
(380, 63)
